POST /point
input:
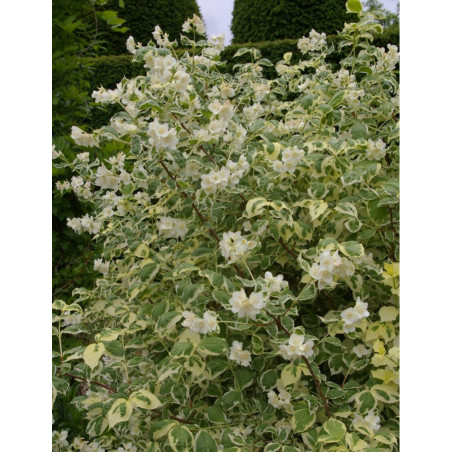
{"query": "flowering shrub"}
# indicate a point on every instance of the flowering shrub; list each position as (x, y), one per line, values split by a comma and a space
(247, 296)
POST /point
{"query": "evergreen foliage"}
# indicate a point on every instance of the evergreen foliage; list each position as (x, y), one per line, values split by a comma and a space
(259, 20)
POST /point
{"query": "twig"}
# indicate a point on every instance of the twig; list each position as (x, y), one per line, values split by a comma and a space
(102, 385)
(319, 389)
(280, 241)
(201, 146)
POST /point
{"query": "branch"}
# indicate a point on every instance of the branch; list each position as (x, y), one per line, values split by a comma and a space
(319, 389)
(102, 385)
(201, 146)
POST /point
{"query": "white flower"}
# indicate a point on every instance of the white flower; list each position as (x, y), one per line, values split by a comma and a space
(82, 138)
(205, 325)
(101, 266)
(105, 179)
(279, 401)
(361, 308)
(247, 307)
(360, 350)
(371, 421)
(350, 316)
(237, 354)
(234, 247)
(131, 45)
(376, 150)
(297, 347)
(161, 136)
(60, 438)
(172, 227)
(55, 153)
(275, 283)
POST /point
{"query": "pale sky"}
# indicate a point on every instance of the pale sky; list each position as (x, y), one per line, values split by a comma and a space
(217, 15)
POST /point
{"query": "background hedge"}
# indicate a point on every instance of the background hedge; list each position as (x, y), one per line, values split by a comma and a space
(141, 17)
(109, 70)
(258, 20)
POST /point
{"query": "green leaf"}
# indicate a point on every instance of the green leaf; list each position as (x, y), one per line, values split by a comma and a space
(332, 345)
(204, 442)
(231, 399)
(352, 249)
(216, 415)
(354, 6)
(308, 294)
(114, 348)
(120, 411)
(335, 431)
(365, 402)
(161, 428)
(180, 439)
(307, 101)
(358, 131)
(182, 349)
(268, 379)
(213, 346)
(302, 419)
(149, 271)
(244, 378)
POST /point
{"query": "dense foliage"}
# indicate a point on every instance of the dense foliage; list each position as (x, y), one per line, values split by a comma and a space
(107, 70)
(142, 16)
(267, 20)
(247, 297)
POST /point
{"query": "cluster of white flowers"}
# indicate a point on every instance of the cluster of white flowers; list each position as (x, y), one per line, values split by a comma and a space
(172, 227)
(60, 438)
(55, 152)
(107, 96)
(224, 111)
(245, 306)
(196, 24)
(84, 224)
(234, 247)
(82, 138)
(80, 187)
(237, 354)
(376, 150)
(71, 318)
(132, 46)
(275, 284)
(216, 46)
(351, 316)
(343, 79)
(192, 169)
(281, 400)
(61, 186)
(123, 127)
(360, 350)
(389, 60)
(290, 158)
(371, 421)
(297, 347)
(160, 38)
(253, 112)
(352, 95)
(101, 266)
(161, 136)
(160, 68)
(328, 266)
(105, 179)
(227, 176)
(315, 42)
(205, 325)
